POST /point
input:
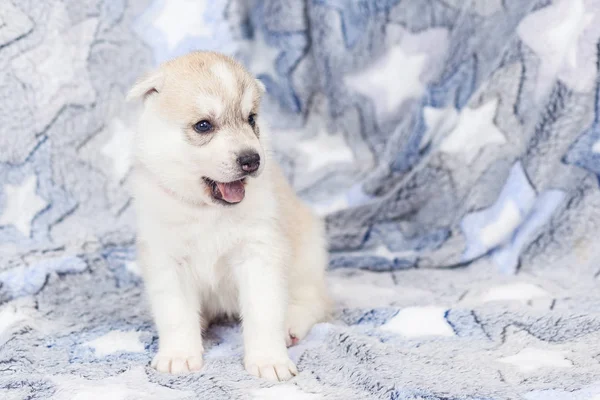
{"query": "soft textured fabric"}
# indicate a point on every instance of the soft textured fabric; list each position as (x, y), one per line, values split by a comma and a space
(453, 146)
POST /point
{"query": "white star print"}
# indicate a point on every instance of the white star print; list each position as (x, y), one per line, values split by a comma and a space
(531, 359)
(263, 57)
(390, 80)
(439, 121)
(132, 384)
(420, 321)
(337, 152)
(13, 22)
(55, 72)
(596, 147)
(118, 148)
(22, 205)
(475, 130)
(501, 228)
(554, 33)
(180, 19)
(116, 342)
(520, 291)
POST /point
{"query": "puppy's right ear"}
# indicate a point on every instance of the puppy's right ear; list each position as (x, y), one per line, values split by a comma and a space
(146, 85)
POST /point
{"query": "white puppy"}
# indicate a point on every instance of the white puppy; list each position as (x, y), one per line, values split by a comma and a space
(220, 231)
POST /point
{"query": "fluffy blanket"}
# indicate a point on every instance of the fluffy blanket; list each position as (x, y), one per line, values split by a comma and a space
(453, 147)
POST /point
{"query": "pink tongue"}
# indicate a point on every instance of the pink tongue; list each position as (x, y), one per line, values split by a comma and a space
(232, 192)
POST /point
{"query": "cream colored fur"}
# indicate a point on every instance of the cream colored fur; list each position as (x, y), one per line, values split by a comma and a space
(262, 260)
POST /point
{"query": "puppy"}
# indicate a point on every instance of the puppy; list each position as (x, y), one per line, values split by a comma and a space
(220, 231)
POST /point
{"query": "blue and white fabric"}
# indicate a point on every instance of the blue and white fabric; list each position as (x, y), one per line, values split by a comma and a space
(452, 146)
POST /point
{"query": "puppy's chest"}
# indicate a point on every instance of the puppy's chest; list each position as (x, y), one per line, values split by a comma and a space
(203, 245)
(208, 241)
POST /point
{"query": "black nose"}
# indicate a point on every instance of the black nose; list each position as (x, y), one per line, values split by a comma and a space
(249, 162)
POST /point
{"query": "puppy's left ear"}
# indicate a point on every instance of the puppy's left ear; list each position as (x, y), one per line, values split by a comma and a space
(146, 85)
(261, 86)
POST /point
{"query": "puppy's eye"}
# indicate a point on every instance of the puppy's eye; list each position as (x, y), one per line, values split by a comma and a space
(203, 126)
(252, 120)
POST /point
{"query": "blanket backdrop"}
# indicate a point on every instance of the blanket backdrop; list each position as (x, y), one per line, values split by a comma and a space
(453, 147)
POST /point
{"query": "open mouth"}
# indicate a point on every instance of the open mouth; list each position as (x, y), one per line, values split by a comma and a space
(227, 192)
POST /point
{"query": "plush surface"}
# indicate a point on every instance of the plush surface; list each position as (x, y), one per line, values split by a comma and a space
(453, 146)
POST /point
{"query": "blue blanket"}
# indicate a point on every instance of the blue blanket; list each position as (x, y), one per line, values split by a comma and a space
(453, 148)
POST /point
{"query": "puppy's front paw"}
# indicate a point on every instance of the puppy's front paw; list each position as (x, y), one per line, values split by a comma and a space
(176, 363)
(271, 368)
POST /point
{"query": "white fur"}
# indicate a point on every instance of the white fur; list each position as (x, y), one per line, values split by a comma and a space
(213, 105)
(247, 100)
(226, 77)
(262, 259)
(146, 84)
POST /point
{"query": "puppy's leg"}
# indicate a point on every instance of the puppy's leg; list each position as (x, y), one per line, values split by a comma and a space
(175, 305)
(309, 301)
(263, 303)
(308, 305)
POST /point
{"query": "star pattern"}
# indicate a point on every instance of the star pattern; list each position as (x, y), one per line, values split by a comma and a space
(172, 28)
(554, 34)
(509, 223)
(55, 72)
(520, 291)
(22, 204)
(116, 342)
(420, 321)
(531, 359)
(395, 226)
(263, 56)
(312, 151)
(180, 19)
(474, 130)
(390, 80)
(438, 122)
(507, 256)
(14, 23)
(515, 199)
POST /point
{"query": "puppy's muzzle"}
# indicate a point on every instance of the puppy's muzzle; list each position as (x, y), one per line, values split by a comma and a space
(249, 162)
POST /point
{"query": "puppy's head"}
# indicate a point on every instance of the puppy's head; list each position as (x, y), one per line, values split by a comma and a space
(199, 132)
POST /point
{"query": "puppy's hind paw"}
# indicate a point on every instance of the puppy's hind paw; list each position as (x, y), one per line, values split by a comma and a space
(291, 339)
(299, 322)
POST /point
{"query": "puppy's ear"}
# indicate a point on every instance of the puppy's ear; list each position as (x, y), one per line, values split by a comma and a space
(261, 86)
(146, 85)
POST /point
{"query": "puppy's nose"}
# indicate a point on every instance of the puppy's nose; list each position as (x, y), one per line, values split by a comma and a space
(249, 162)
